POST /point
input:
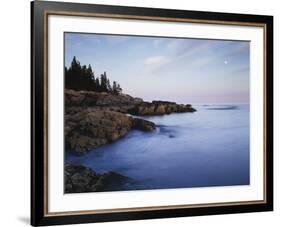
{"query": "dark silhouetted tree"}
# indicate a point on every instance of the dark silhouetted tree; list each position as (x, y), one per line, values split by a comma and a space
(119, 89)
(97, 84)
(79, 77)
(103, 82)
(116, 89)
(108, 86)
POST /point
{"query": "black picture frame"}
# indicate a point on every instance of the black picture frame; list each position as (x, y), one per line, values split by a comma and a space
(39, 12)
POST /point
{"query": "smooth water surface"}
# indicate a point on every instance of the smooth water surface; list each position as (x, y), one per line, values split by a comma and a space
(207, 148)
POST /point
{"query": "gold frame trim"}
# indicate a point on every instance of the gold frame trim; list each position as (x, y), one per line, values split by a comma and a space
(149, 208)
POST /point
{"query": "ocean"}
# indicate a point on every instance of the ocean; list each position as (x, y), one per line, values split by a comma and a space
(206, 148)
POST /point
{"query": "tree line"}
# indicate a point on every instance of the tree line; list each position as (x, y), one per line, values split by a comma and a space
(81, 77)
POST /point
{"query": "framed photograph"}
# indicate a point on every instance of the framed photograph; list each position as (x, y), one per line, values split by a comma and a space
(142, 113)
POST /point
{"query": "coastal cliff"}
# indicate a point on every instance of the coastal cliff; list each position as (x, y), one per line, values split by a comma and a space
(89, 128)
(93, 118)
(122, 103)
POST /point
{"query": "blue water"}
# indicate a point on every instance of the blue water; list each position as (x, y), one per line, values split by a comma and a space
(207, 148)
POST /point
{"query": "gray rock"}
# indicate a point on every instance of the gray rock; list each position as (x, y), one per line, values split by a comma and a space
(143, 125)
(93, 119)
(88, 129)
(160, 108)
(82, 179)
(122, 103)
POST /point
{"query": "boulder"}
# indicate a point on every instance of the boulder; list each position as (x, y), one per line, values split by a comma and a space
(79, 178)
(93, 119)
(88, 129)
(160, 108)
(118, 102)
(143, 125)
(122, 103)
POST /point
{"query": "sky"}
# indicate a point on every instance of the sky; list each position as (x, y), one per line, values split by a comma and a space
(163, 68)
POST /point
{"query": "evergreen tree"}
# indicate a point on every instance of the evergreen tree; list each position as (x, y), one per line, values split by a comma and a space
(79, 77)
(90, 72)
(119, 89)
(114, 87)
(108, 86)
(97, 83)
(103, 82)
(74, 63)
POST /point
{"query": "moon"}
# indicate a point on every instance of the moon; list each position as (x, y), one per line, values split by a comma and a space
(225, 62)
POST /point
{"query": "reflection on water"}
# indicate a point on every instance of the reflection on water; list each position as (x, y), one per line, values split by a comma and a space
(207, 148)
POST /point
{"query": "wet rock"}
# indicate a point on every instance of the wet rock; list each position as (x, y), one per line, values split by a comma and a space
(93, 119)
(82, 179)
(143, 125)
(110, 181)
(122, 103)
(89, 129)
(160, 108)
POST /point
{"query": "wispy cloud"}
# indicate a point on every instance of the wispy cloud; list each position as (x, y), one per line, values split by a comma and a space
(179, 52)
(184, 67)
(156, 61)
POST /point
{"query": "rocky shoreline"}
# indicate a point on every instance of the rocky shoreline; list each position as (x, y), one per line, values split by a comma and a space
(80, 179)
(86, 129)
(122, 103)
(93, 119)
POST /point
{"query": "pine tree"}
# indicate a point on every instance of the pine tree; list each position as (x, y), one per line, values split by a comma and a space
(79, 77)
(73, 63)
(90, 72)
(114, 87)
(103, 82)
(97, 83)
(119, 89)
(108, 86)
